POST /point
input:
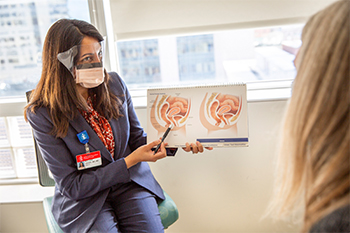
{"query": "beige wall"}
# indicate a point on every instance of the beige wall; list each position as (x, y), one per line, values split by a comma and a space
(22, 217)
(227, 190)
(224, 190)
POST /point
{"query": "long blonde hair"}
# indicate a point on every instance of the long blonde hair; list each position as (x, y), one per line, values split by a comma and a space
(313, 167)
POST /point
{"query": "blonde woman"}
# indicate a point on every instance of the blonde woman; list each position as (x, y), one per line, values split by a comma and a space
(313, 169)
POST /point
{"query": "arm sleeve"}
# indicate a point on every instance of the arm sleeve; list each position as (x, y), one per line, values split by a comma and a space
(60, 159)
(137, 135)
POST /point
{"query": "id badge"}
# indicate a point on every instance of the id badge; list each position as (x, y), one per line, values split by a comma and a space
(89, 160)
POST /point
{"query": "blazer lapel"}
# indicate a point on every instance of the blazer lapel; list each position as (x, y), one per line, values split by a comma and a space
(95, 143)
(119, 139)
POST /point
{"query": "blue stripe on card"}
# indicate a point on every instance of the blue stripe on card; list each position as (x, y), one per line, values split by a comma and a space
(222, 140)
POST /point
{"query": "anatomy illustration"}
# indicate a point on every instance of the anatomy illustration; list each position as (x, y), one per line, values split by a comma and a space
(220, 111)
(170, 110)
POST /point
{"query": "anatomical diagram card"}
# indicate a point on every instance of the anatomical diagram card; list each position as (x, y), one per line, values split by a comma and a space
(213, 115)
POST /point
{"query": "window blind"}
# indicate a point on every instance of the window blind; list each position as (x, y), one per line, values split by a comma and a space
(135, 19)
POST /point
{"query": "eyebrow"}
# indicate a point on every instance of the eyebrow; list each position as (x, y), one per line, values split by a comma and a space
(100, 50)
(87, 54)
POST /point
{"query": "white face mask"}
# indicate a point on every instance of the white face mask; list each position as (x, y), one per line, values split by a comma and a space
(90, 78)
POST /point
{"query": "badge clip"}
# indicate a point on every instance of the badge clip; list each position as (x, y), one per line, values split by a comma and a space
(84, 139)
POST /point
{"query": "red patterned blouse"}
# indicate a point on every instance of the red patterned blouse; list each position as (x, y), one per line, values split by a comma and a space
(100, 125)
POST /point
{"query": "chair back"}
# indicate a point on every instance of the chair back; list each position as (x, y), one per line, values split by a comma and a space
(45, 178)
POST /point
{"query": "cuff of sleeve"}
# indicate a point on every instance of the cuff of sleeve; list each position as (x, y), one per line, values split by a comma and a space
(123, 174)
(126, 170)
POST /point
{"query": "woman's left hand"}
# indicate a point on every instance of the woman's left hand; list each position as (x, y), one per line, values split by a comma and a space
(195, 147)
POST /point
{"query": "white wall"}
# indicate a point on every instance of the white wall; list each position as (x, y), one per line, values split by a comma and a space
(224, 190)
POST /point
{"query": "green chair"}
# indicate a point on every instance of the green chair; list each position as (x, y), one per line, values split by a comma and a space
(167, 208)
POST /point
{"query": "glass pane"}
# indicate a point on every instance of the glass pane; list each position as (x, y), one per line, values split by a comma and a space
(6, 164)
(18, 158)
(140, 61)
(21, 132)
(4, 141)
(26, 162)
(196, 59)
(248, 55)
(23, 26)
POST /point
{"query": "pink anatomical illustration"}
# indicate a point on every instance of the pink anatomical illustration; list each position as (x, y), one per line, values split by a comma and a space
(170, 110)
(220, 111)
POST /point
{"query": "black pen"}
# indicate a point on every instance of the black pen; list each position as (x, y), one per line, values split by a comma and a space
(164, 136)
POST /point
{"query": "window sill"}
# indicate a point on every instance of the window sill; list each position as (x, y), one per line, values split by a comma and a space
(264, 91)
(23, 193)
(17, 181)
(12, 106)
(270, 90)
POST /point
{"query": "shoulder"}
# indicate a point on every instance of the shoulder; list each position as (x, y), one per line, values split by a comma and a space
(116, 83)
(38, 112)
(337, 221)
(39, 118)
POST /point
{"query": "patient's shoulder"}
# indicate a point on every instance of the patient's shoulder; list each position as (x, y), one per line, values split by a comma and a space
(337, 221)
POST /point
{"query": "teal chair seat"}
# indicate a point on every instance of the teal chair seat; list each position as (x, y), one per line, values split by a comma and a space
(167, 209)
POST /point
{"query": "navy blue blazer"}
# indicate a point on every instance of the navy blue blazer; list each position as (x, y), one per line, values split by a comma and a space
(79, 195)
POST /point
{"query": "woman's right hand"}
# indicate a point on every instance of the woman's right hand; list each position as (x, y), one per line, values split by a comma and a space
(146, 154)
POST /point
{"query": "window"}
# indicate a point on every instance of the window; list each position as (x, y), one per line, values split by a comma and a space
(249, 55)
(23, 28)
(196, 58)
(17, 156)
(22, 32)
(140, 61)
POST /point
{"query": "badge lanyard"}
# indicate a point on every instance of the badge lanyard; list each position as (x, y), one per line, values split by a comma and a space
(84, 139)
(89, 159)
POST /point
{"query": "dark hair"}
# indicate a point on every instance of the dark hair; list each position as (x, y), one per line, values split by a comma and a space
(56, 89)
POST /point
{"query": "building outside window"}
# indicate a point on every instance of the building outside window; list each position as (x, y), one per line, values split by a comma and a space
(23, 26)
(196, 58)
(139, 61)
(249, 55)
(17, 155)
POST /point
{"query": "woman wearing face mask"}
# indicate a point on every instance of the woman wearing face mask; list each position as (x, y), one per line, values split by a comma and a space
(80, 114)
